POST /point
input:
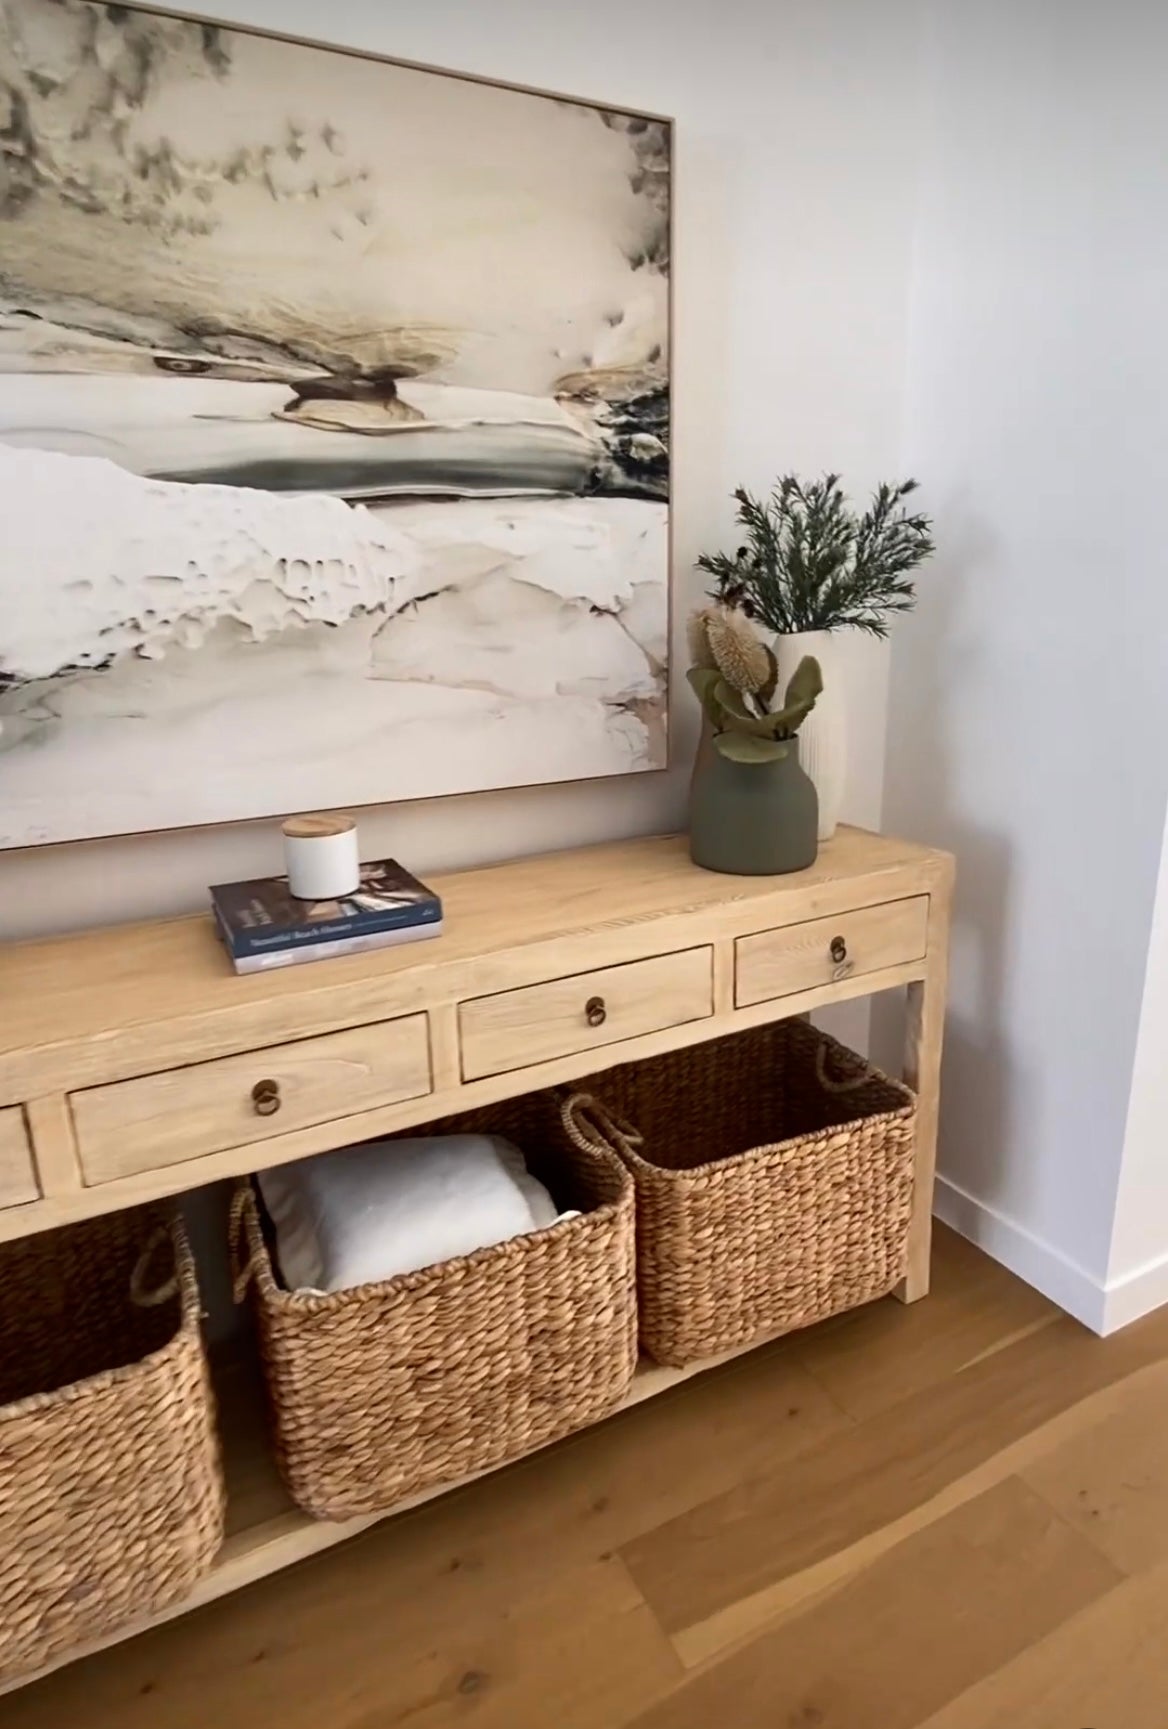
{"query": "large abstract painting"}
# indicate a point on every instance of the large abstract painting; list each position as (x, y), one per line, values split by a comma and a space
(334, 428)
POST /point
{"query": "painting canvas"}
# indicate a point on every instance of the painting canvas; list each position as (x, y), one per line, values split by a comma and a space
(334, 428)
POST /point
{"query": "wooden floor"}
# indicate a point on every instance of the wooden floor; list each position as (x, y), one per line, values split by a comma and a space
(952, 1516)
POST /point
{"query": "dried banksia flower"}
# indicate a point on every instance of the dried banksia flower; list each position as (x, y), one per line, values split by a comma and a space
(738, 654)
(698, 638)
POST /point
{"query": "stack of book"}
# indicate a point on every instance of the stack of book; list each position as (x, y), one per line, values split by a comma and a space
(263, 924)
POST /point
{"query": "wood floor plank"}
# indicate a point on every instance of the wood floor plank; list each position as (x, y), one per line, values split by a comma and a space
(901, 1563)
(582, 1500)
(685, 1447)
(453, 1563)
(1106, 1668)
(875, 1357)
(921, 1626)
(623, 1477)
(327, 1645)
(820, 1503)
(1111, 1480)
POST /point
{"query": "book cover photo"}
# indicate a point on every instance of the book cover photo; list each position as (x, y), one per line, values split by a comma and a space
(263, 914)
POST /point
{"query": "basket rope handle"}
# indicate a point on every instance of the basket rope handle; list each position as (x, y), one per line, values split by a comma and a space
(242, 1214)
(847, 1086)
(150, 1296)
(591, 1126)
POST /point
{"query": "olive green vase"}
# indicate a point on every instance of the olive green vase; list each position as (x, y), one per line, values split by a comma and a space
(752, 819)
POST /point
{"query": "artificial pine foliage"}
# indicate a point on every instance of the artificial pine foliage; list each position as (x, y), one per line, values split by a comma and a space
(810, 563)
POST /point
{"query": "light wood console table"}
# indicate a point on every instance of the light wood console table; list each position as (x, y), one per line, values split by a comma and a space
(131, 1060)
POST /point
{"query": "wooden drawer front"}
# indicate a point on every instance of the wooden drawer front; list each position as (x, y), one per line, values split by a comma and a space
(18, 1182)
(519, 1028)
(164, 1119)
(800, 957)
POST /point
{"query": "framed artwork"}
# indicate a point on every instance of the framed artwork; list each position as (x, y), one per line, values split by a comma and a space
(334, 428)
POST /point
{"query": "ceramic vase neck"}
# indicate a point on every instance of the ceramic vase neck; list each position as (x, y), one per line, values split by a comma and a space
(816, 642)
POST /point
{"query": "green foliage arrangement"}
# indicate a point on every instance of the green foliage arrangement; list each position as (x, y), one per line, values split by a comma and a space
(735, 677)
(810, 563)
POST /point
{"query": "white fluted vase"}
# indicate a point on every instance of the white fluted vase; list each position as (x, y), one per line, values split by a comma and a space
(823, 737)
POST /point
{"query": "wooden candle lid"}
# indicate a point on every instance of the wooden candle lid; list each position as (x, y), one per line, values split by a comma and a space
(317, 827)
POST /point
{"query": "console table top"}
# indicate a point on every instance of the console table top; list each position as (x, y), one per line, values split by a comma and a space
(76, 987)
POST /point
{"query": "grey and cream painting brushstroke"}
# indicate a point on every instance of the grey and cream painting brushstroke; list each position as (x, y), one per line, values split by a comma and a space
(334, 429)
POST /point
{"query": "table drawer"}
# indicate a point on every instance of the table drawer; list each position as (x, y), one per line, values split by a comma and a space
(18, 1182)
(519, 1028)
(183, 1114)
(799, 957)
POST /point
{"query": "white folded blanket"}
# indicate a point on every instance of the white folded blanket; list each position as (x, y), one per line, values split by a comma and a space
(360, 1215)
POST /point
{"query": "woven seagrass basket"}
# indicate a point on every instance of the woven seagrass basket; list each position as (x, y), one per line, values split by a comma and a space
(111, 1494)
(378, 1393)
(774, 1177)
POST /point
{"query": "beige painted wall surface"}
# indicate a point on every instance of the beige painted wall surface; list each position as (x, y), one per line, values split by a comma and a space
(795, 173)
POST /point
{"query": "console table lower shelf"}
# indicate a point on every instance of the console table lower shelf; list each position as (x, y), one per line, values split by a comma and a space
(267, 1532)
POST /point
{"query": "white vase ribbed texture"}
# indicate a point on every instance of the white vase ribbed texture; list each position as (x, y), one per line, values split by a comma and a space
(823, 737)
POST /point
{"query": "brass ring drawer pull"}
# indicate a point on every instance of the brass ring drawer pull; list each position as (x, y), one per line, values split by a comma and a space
(265, 1098)
(839, 950)
(595, 1011)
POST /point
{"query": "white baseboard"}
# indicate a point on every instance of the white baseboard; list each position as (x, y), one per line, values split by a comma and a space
(1136, 1294)
(1038, 1263)
(1103, 1308)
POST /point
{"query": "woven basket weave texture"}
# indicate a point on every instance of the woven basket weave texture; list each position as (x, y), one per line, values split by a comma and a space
(383, 1391)
(111, 1493)
(774, 1175)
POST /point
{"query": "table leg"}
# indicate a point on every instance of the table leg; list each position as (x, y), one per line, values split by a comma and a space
(924, 1029)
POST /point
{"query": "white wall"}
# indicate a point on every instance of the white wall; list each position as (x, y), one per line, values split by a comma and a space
(1030, 704)
(795, 169)
(1137, 1270)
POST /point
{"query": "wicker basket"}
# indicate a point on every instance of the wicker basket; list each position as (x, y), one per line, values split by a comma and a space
(380, 1392)
(732, 1244)
(111, 1495)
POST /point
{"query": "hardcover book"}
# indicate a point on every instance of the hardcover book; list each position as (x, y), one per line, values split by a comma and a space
(263, 917)
(334, 948)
